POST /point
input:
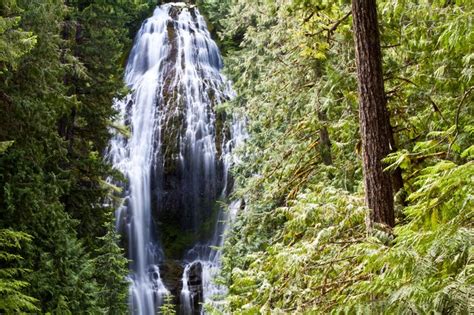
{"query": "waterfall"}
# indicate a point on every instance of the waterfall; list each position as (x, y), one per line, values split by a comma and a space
(175, 152)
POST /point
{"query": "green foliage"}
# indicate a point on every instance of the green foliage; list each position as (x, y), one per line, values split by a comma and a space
(64, 280)
(111, 266)
(61, 65)
(99, 33)
(12, 298)
(14, 42)
(301, 244)
(429, 267)
(5, 145)
(215, 12)
(168, 308)
(306, 264)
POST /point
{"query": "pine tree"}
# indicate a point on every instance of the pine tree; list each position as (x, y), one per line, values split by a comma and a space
(110, 268)
(12, 287)
(60, 70)
(14, 42)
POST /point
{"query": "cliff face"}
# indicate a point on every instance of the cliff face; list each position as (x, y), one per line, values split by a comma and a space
(188, 172)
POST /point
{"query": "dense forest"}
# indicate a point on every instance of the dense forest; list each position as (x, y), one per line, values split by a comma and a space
(355, 181)
(61, 64)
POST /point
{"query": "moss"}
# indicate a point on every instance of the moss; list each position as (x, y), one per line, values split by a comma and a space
(176, 241)
(208, 226)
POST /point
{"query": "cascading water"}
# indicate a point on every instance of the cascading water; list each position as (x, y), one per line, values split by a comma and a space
(176, 157)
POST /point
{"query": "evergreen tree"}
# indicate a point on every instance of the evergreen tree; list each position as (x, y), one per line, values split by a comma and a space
(14, 42)
(111, 266)
(60, 70)
(12, 296)
(374, 118)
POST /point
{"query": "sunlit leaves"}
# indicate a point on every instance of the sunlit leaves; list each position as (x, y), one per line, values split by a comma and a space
(14, 42)
(299, 247)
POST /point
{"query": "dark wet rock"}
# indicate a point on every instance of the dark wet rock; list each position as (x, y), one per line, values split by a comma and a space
(171, 275)
(195, 287)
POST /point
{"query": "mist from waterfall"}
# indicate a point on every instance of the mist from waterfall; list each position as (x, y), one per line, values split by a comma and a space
(175, 153)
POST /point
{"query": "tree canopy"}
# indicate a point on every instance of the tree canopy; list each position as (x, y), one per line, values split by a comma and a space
(61, 65)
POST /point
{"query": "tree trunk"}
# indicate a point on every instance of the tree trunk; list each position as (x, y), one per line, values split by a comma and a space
(325, 148)
(397, 179)
(373, 114)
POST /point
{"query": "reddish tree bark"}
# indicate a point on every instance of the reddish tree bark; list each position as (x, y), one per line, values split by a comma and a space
(374, 118)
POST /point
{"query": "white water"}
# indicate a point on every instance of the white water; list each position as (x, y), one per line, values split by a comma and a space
(134, 157)
(174, 76)
(186, 296)
(208, 254)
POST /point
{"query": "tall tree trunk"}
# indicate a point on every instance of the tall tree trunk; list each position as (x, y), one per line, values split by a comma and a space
(373, 114)
(325, 148)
